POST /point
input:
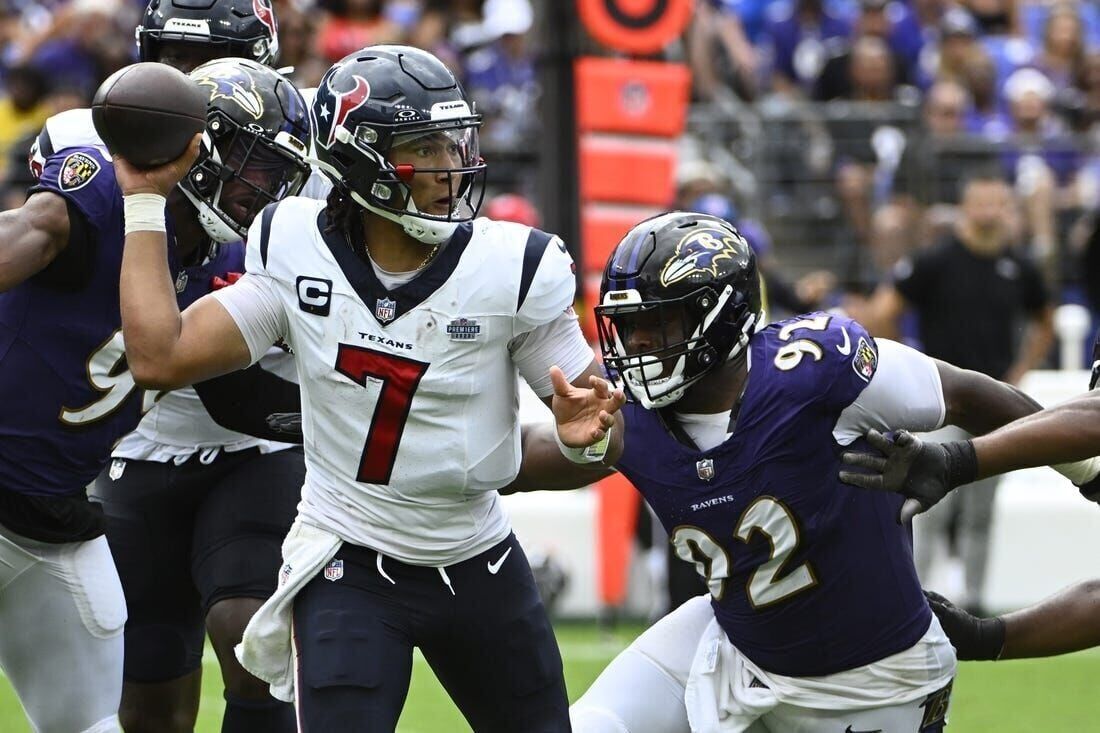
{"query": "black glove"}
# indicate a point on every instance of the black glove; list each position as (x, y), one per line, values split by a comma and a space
(923, 472)
(286, 423)
(973, 638)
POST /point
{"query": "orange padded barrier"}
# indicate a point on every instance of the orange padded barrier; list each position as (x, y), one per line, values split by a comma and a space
(625, 170)
(617, 513)
(637, 97)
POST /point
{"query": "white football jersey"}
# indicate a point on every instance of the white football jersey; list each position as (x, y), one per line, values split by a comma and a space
(409, 397)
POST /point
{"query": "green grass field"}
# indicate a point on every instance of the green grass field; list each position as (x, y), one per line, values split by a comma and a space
(1049, 695)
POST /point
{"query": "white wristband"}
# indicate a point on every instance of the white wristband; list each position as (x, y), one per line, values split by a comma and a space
(589, 454)
(144, 212)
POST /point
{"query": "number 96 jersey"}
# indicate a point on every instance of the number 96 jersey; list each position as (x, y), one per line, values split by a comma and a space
(409, 395)
(809, 576)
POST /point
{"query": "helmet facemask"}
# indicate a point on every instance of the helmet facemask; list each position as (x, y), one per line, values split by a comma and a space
(395, 167)
(683, 343)
(239, 172)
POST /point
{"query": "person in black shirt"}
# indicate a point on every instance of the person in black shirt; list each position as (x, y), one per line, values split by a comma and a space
(973, 296)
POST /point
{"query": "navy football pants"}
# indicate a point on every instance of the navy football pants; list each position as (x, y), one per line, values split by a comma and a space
(484, 633)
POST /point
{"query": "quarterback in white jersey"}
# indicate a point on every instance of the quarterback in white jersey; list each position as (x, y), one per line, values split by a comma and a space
(409, 321)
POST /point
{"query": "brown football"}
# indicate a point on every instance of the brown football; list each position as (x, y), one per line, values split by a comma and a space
(148, 113)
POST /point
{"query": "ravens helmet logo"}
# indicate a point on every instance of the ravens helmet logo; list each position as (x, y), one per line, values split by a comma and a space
(701, 251)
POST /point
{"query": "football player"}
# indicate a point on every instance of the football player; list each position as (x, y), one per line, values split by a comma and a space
(815, 619)
(69, 397)
(187, 487)
(410, 321)
(926, 472)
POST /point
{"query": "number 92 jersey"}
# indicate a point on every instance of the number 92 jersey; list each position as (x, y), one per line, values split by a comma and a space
(809, 576)
(409, 396)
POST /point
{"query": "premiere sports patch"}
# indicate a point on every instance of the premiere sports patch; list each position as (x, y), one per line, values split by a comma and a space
(865, 360)
(76, 171)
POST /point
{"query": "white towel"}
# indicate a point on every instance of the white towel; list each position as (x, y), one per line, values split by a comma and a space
(266, 649)
(720, 696)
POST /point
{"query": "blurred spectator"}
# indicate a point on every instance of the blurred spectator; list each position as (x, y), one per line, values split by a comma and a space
(994, 17)
(839, 75)
(973, 294)
(1062, 54)
(806, 294)
(720, 54)
(1042, 160)
(349, 25)
(24, 109)
(958, 35)
(17, 177)
(752, 15)
(512, 207)
(297, 30)
(500, 77)
(938, 156)
(986, 116)
(871, 79)
(800, 33)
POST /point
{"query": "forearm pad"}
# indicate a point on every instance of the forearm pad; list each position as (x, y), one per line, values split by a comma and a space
(242, 401)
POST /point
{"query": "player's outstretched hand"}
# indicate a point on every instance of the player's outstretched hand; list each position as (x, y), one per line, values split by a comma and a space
(924, 472)
(160, 180)
(973, 638)
(583, 415)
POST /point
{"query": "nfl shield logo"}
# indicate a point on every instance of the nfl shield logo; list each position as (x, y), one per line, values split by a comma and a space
(705, 468)
(334, 570)
(385, 309)
(117, 467)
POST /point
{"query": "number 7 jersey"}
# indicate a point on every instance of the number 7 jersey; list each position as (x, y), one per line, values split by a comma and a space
(409, 396)
(809, 576)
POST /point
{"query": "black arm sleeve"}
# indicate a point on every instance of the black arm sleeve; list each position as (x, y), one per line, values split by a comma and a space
(242, 401)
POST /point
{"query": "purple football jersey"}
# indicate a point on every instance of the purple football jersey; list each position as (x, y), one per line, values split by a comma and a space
(809, 576)
(68, 395)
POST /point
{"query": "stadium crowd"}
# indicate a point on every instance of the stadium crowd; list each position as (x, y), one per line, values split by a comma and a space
(852, 141)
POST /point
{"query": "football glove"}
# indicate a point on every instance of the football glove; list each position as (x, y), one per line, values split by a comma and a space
(923, 472)
(974, 638)
(287, 423)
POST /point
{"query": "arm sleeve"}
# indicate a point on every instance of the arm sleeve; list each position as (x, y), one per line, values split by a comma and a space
(559, 342)
(255, 307)
(243, 400)
(548, 283)
(905, 393)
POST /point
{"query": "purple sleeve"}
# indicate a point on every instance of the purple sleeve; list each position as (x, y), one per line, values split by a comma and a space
(85, 178)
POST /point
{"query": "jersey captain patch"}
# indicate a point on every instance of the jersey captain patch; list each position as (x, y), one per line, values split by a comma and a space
(77, 171)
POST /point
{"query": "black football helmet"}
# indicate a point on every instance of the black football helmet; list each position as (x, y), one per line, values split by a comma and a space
(253, 149)
(386, 97)
(244, 29)
(689, 282)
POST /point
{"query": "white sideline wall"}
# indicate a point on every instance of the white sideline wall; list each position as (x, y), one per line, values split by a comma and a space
(1045, 536)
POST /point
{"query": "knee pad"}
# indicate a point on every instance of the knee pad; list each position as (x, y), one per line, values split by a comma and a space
(97, 591)
(588, 719)
(340, 648)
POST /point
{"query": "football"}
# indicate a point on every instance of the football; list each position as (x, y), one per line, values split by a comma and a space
(148, 113)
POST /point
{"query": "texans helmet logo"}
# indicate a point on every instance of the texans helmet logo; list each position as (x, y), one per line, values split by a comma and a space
(701, 252)
(231, 83)
(345, 103)
(266, 15)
